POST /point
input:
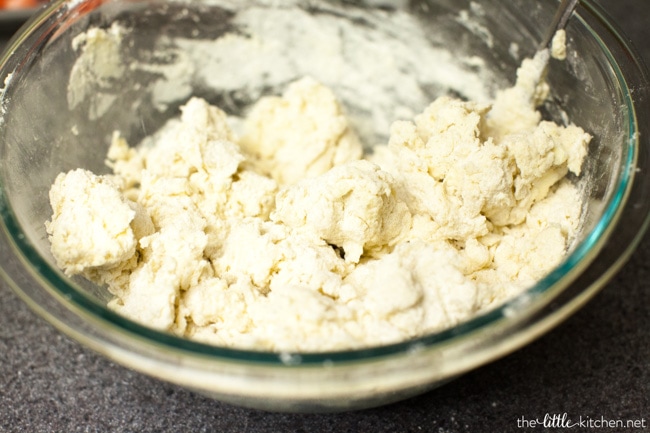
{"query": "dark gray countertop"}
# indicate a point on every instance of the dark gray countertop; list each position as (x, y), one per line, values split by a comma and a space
(596, 364)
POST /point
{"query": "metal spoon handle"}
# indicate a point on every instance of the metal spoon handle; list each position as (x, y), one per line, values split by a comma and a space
(559, 20)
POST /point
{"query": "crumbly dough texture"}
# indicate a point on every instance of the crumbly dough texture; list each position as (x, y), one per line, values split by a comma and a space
(290, 239)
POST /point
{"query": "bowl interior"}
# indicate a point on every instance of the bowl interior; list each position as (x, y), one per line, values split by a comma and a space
(385, 60)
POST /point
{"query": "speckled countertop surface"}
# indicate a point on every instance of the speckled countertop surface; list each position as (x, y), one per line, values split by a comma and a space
(595, 365)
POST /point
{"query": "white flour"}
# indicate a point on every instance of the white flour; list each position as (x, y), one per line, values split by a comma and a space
(360, 66)
(361, 63)
(99, 63)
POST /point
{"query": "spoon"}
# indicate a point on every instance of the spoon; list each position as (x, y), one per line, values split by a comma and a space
(559, 21)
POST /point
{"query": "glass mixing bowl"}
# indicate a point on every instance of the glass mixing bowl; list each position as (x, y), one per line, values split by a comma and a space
(59, 107)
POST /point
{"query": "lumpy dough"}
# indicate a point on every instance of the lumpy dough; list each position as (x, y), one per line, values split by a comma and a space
(290, 239)
(302, 134)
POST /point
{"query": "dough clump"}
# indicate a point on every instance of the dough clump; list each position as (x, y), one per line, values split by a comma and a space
(291, 239)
